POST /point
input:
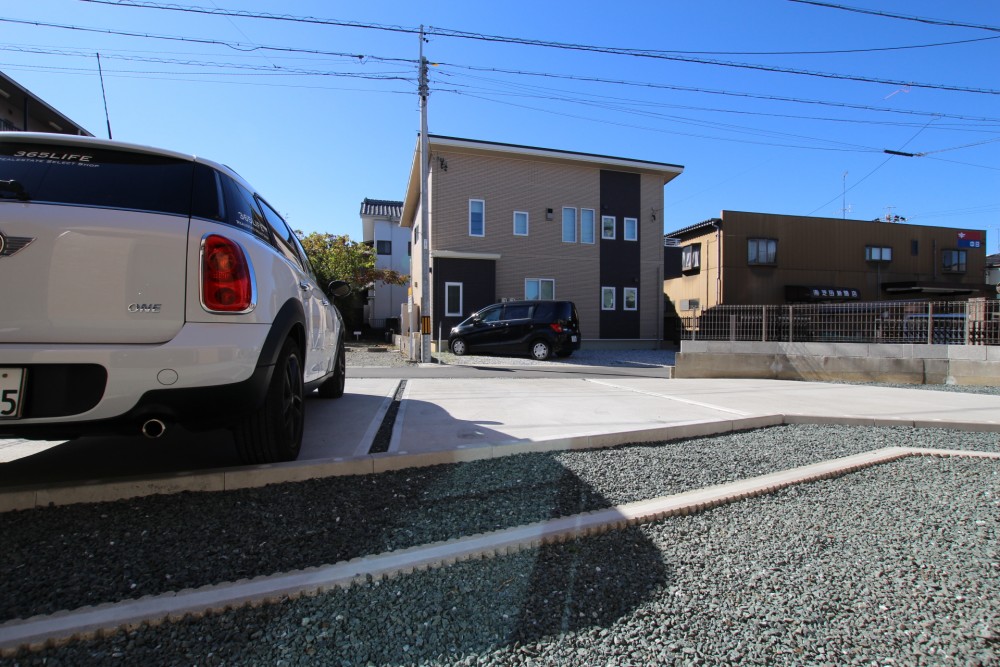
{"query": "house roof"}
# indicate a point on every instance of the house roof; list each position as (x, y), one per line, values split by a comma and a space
(698, 226)
(40, 109)
(382, 208)
(437, 142)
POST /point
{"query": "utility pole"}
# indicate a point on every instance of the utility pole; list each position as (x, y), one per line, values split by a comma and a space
(425, 259)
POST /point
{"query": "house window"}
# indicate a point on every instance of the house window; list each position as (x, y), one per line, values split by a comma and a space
(607, 298)
(762, 251)
(878, 254)
(953, 261)
(691, 257)
(586, 225)
(631, 297)
(453, 299)
(383, 247)
(540, 288)
(520, 223)
(914, 247)
(477, 217)
(607, 226)
(569, 224)
(631, 231)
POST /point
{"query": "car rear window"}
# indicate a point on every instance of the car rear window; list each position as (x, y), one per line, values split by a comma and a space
(90, 176)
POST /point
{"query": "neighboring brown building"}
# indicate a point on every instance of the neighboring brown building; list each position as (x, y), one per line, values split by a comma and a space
(517, 222)
(21, 110)
(762, 258)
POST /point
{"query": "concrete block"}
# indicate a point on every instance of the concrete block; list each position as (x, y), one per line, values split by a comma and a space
(252, 477)
(925, 351)
(829, 420)
(936, 371)
(130, 488)
(966, 352)
(992, 352)
(386, 462)
(13, 499)
(892, 351)
(543, 446)
(749, 347)
(977, 373)
(694, 346)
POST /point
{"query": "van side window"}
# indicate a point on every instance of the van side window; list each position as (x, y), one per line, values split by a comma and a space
(517, 313)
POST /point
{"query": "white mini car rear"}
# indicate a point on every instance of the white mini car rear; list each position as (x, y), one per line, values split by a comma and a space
(141, 288)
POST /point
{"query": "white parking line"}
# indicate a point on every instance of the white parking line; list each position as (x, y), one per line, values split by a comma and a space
(671, 398)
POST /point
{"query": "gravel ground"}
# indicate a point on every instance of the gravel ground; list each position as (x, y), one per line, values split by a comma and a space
(865, 569)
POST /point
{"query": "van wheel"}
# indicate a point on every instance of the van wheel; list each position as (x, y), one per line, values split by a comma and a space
(540, 350)
(273, 432)
(458, 347)
(334, 387)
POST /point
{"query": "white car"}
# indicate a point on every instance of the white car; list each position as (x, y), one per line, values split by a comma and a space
(141, 288)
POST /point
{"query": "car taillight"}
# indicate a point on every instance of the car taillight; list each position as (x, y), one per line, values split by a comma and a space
(555, 326)
(225, 276)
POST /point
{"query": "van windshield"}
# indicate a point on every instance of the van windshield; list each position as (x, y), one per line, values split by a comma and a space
(89, 176)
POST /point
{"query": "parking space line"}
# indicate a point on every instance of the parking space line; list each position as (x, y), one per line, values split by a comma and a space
(671, 398)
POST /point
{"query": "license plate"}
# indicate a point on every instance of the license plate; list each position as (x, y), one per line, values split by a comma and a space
(11, 392)
(573, 339)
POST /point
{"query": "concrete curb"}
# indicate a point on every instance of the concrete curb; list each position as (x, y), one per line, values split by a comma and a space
(227, 479)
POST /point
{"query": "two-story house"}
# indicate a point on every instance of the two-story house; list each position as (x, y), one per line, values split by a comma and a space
(22, 110)
(762, 258)
(380, 229)
(519, 222)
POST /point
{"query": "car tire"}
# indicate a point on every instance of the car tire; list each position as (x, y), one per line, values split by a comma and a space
(540, 350)
(334, 387)
(458, 347)
(273, 432)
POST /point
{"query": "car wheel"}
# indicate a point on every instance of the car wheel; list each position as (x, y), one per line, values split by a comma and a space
(334, 387)
(458, 347)
(540, 350)
(273, 432)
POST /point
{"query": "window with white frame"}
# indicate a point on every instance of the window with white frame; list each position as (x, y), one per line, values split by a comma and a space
(630, 295)
(608, 224)
(878, 254)
(691, 257)
(453, 299)
(587, 222)
(520, 223)
(607, 298)
(477, 217)
(569, 224)
(539, 288)
(762, 251)
(631, 231)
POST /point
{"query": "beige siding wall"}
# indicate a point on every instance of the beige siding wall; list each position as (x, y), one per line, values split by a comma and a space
(509, 184)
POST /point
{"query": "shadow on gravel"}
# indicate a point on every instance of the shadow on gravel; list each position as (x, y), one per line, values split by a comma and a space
(59, 558)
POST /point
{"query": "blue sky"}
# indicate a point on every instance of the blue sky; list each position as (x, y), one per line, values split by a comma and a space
(317, 133)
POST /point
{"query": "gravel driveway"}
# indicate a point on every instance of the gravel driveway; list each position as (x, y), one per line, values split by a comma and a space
(900, 562)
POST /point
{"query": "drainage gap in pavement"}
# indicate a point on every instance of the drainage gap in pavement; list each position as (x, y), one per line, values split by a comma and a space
(380, 443)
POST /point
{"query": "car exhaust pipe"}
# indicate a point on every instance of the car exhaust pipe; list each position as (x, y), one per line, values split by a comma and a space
(153, 429)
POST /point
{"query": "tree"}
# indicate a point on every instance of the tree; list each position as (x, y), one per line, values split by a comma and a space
(336, 257)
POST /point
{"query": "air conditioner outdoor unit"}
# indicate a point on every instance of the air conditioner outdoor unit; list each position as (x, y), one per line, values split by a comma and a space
(671, 242)
(690, 304)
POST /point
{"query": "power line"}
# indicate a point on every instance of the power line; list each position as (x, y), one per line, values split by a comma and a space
(774, 98)
(460, 34)
(257, 47)
(902, 17)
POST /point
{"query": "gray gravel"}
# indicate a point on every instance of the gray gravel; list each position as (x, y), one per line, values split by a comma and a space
(900, 562)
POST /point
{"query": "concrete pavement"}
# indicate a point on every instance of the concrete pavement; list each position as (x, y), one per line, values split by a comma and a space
(443, 420)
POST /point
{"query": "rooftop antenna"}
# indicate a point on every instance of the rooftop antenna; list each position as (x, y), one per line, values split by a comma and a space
(104, 94)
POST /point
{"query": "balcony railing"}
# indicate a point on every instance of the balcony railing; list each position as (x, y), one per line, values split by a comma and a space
(974, 322)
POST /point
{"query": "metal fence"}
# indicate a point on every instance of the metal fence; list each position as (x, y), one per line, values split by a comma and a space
(973, 322)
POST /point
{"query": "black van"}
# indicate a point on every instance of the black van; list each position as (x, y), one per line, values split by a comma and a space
(538, 328)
